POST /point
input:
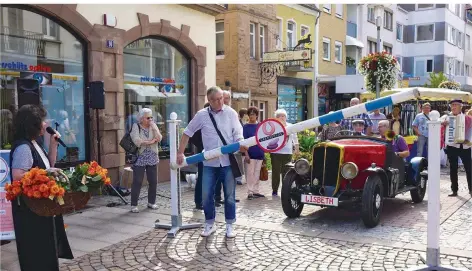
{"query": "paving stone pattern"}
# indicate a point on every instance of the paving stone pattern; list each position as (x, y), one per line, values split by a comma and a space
(402, 220)
(252, 249)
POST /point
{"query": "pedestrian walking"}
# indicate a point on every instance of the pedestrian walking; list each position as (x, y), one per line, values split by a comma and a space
(283, 156)
(219, 125)
(253, 157)
(145, 136)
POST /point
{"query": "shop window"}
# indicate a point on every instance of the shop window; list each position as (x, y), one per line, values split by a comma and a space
(61, 80)
(292, 98)
(157, 77)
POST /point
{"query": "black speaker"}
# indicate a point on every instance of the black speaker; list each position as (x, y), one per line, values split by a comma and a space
(97, 95)
(28, 91)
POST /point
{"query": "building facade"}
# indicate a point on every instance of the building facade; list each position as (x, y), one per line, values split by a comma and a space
(295, 91)
(154, 56)
(332, 56)
(243, 33)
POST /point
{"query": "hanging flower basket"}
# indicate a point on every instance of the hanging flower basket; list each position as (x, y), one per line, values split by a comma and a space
(379, 66)
(450, 85)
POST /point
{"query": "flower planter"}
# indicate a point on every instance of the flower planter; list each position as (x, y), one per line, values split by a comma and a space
(73, 201)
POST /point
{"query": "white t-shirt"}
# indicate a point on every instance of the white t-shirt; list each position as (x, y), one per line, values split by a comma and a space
(288, 148)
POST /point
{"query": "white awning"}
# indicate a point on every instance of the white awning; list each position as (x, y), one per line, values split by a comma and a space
(144, 91)
(350, 41)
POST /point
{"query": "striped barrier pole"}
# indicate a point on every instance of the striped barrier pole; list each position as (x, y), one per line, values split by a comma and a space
(403, 96)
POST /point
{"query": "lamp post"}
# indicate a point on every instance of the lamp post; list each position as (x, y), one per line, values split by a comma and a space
(378, 22)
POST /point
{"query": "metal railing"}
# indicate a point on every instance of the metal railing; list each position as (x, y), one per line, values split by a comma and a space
(22, 41)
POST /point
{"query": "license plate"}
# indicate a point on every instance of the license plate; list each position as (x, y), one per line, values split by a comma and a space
(320, 200)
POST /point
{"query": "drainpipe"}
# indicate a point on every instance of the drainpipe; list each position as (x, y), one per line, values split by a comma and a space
(315, 69)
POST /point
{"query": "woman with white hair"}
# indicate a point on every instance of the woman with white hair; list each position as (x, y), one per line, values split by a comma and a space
(283, 156)
(146, 136)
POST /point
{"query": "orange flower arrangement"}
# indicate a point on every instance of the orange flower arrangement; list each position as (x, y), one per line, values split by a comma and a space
(39, 183)
(89, 175)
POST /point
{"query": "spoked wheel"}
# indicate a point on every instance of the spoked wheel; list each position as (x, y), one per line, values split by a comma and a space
(372, 201)
(290, 196)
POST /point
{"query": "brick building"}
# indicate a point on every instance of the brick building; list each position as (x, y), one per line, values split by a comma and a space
(243, 34)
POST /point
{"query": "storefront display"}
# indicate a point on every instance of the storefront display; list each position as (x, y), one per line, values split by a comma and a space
(36, 47)
(293, 100)
(156, 77)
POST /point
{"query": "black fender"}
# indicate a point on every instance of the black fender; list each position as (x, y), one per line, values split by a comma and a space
(416, 167)
(383, 176)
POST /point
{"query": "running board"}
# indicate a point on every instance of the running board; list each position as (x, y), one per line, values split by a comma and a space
(406, 189)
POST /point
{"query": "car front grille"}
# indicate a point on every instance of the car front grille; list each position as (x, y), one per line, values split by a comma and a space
(326, 161)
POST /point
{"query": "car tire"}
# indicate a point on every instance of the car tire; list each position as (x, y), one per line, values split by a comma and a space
(292, 207)
(372, 201)
(417, 195)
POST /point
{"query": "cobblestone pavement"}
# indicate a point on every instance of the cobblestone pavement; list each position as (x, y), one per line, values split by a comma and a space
(252, 249)
(402, 221)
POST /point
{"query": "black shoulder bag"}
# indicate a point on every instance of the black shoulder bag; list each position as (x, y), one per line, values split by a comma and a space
(130, 148)
(232, 159)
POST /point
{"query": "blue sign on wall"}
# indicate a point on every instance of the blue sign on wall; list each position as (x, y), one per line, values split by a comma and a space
(110, 43)
(4, 167)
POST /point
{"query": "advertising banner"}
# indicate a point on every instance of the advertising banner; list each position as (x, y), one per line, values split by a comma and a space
(7, 231)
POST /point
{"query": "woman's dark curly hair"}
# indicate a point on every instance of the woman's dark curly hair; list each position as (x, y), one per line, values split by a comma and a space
(29, 121)
(253, 110)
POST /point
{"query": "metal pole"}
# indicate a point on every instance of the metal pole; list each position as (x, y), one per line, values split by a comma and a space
(434, 205)
(176, 216)
(315, 68)
(377, 82)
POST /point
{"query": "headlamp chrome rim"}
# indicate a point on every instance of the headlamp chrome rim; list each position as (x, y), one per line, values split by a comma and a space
(302, 166)
(353, 166)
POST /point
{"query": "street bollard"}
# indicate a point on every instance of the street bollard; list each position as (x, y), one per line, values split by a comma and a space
(434, 204)
(175, 196)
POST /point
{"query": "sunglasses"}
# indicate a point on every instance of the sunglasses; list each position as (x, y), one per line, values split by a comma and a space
(149, 118)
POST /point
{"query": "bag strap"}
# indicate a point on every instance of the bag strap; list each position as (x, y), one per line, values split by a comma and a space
(216, 127)
(426, 116)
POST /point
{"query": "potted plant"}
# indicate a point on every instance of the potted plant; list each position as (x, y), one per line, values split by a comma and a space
(381, 67)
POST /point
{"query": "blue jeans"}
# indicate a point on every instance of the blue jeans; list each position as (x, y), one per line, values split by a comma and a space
(210, 177)
(422, 141)
(198, 186)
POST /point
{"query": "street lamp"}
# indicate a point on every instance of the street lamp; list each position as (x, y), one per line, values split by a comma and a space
(378, 10)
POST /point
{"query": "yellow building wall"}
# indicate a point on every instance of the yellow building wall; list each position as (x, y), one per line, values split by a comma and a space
(301, 18)
(335, 29)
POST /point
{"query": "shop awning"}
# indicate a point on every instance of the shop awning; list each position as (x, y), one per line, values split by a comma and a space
(350, 41)
(144, 91)
(427, 94)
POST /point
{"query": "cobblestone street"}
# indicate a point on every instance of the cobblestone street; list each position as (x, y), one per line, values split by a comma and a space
(112, 238)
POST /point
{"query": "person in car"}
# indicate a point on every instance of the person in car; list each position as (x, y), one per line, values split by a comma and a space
(358, 127)
(398, 142)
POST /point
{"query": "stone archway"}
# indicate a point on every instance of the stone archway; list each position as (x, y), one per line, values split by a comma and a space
(196, 54)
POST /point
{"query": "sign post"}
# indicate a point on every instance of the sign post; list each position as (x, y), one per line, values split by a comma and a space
(434, 204)
(175, 201)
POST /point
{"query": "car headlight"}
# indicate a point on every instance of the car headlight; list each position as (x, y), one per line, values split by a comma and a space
(349, 170)
(302, 166)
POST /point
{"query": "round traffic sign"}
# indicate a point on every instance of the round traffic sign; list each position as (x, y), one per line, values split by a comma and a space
(271, 135)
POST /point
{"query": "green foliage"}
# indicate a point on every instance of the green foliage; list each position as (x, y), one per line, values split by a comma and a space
(268, 161)
(350, 62)
(306, 155)
(435, 79)
(307, 140)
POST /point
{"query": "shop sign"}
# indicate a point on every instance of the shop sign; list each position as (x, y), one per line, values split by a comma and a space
(157, 80)
(271, 135)
(7, 231)
(298, 55)
(140, 44)
(24, 67)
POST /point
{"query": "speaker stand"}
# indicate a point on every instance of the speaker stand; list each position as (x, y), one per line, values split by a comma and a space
(98, 138)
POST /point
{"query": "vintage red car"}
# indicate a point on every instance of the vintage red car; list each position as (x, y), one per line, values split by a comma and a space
(359, 169)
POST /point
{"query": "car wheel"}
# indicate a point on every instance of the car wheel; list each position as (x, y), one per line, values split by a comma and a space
(372, 201)
(417, 195)
(290, 196)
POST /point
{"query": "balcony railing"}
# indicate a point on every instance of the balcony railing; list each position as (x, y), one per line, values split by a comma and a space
(352, 30)
(350, 70)
(22, 41)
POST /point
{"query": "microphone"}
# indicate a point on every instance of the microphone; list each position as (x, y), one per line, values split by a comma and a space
(52, 132)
